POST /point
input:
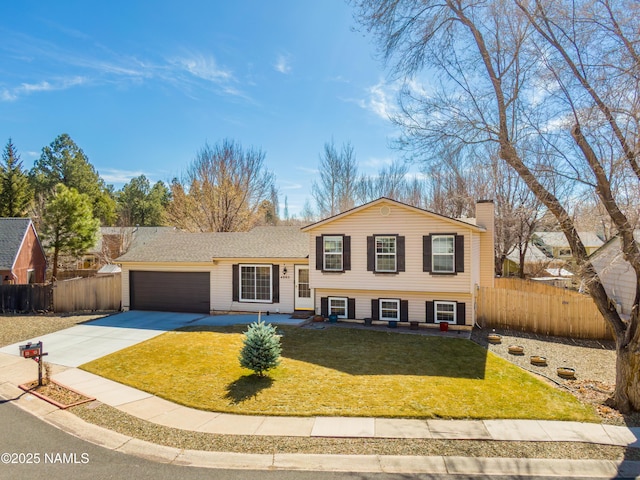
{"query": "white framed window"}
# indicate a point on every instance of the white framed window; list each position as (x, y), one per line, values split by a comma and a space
(31, 276)
(389, 309)
(386, 253)
(338, 306)
(443, 253)
(256, 283)
(445, 312)
(333, 253)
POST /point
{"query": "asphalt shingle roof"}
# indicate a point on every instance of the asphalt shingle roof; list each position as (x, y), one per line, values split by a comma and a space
(12, 231)
(261, 242)
(558, 239)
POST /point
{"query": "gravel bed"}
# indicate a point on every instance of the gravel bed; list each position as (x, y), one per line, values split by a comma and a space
(593, 360)
(113, 419)
(16, 328)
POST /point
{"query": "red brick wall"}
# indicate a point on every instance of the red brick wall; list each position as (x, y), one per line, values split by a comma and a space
(30, 257)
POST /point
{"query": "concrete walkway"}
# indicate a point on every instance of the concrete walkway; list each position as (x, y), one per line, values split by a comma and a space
(15, 371)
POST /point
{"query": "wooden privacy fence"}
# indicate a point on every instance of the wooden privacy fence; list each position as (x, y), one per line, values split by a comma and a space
(25, 298)
(95, 293)
(538, 308)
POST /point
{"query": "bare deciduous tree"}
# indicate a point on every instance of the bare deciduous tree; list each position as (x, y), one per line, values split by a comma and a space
(552, 85)
(223, 190)
(336, 190)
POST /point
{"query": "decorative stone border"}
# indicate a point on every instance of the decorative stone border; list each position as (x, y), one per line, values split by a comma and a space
(32, 390)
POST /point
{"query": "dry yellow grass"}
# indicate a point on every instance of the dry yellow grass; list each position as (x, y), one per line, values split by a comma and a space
(339, 372)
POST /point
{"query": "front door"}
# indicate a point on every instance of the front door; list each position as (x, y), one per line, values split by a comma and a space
(303, 293)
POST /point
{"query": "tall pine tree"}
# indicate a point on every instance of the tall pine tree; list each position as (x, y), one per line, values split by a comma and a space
(64, 162)
(15, 191)
(68, 226)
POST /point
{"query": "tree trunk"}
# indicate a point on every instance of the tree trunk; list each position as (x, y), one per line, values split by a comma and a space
(626, 397)
(54, 272)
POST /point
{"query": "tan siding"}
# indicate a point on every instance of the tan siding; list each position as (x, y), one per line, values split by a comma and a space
(222, 288)
(411, 225)
(417, 305)
(221, 283)
(485, 217)
(475, 259)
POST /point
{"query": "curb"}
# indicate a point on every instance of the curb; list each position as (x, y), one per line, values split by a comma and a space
(108, 439)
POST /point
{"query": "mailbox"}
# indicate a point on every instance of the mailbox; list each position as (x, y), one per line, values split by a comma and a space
(31, 350)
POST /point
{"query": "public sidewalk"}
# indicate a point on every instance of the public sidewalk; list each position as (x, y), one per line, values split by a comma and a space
(15, 371)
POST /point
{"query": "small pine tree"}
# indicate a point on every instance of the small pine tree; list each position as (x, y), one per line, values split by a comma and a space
(261, 350)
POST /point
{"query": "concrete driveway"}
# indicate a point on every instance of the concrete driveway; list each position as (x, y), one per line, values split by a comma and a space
(83, 343)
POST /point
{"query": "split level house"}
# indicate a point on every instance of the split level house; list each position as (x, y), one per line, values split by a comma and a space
(22, 259)
(384, 260)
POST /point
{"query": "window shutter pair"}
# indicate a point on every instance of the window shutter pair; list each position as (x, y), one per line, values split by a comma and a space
(275, 283)
(461, 313)
(404, 309)
(371, 253)
(346, 252)
(351, 307)
(458, 253)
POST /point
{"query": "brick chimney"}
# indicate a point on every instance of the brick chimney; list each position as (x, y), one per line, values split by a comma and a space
(485, 217)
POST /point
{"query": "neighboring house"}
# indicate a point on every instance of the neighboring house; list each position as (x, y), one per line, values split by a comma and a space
(616, 274)
(383, 260)
(388, 261)
(265, 269)
(112, 242)
(555, 244)
(535, 261)
(22, 259)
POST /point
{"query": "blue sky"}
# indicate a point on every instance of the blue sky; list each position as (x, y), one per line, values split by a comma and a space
(142, 85)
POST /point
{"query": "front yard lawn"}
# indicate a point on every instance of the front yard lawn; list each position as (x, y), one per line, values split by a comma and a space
(339, 372)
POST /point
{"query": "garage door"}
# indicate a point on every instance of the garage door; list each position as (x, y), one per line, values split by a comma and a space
(170, 291)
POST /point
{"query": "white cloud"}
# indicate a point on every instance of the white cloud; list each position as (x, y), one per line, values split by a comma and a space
(188, 71)
(119, 177)
(379, 99)
(287, 185)
(283, 64)
(374, 162)
(203, 67)
(313, 171)
(9, 95)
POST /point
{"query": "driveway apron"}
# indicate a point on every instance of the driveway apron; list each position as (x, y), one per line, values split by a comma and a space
(83, 343)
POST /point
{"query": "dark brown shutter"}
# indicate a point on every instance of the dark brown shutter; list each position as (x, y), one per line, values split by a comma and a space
(319, 254)
(235, 278)
(346, 252)
(404, 310)
(430, 312)
(426, 253)
(324, 306)
(371, 254)
(275, 279)
(461, 313)
(400, 254)
(459, 253)
(375, 309)
(351, 308)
